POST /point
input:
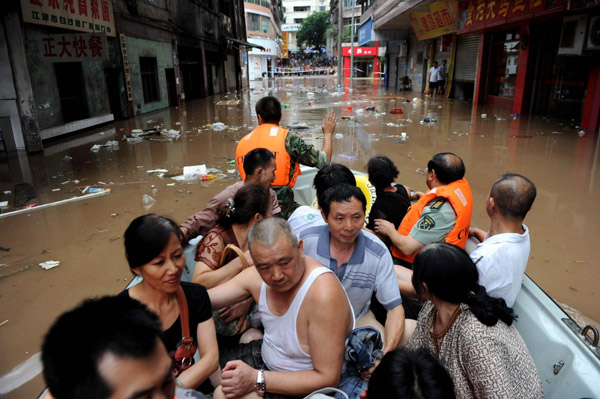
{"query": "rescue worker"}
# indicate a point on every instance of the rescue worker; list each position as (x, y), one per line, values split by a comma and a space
(443, 214)
(289, 148)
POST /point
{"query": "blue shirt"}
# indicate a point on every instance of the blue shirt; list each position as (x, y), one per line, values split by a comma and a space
(370, 268)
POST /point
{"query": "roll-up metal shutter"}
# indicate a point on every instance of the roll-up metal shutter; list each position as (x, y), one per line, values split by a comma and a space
(392, 70)
(467, 51)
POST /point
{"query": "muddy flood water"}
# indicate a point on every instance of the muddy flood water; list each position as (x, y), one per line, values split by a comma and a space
(86, 236)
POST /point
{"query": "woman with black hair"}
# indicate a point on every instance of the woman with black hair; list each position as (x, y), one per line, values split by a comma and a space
(154, 251)
(410, 374)
(215, 265)
(392, 200)
(470, 332)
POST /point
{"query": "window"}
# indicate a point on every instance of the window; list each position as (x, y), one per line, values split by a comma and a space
(321, 8)
(149, 79)
(298, 20)
(254, 22)
(302, 9)
(349, 3)
(265, 22)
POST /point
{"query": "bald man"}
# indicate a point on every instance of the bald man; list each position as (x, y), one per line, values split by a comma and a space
(502, 256)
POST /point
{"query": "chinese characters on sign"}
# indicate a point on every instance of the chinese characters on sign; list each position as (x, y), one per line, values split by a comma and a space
(126, 67)
(478, 14)
(91, 16)
(361, 51)
(440, 20)
(284, 47)
(73, 47)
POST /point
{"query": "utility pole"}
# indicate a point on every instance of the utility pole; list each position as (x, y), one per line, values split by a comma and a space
(340, 27)
(352, 48)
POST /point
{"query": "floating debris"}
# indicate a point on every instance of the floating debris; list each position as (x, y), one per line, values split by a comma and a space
(49, 264)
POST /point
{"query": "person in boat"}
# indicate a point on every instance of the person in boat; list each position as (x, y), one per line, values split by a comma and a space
(153, 247)
(406, 374)
(289, 147)
(328, 176)
(359, 259)
(109, 348)
(470, 332)
(442, 214)
(502, 256)
(305, 313)
(216, 264)
(259, 168)
(393, 200)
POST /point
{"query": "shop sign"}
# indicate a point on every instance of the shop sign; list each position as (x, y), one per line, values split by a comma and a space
(440, 20)
(290, 27)
(361, 51)
(126, 69)
(270, 47)
(92, 16)
(78, 47)
(480, 14)
(284, 47)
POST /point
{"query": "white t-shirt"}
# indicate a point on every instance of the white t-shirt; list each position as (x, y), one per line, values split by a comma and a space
(305, 217)
(434, 74)
(501, 261)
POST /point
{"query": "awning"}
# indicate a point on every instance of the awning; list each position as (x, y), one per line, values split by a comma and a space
(245, 43)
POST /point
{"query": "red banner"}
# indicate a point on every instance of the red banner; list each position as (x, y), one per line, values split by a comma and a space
(476, 15)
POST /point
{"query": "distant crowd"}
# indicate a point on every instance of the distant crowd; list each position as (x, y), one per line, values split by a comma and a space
(345, 298)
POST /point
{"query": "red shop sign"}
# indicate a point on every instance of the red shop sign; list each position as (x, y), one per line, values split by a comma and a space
(361, 51)
(480, 14)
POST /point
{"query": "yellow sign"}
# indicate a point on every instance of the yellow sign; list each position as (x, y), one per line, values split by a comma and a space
(91, 16)
(284, 48)
(440, 20)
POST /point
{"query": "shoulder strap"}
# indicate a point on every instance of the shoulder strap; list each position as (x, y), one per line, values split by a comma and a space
(231, 247)
(183, 313)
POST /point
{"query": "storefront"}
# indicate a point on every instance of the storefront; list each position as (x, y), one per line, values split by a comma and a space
(262, 61)
(536, 57)
(366, 61)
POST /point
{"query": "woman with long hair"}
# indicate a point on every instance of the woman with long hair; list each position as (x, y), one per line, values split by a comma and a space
(153, 247)
(215, 266)
(470, 332)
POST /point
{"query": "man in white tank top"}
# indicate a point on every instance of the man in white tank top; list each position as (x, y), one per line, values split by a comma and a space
(293, 292)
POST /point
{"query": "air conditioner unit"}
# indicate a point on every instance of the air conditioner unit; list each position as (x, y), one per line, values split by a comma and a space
(593, 36)
(572, 35)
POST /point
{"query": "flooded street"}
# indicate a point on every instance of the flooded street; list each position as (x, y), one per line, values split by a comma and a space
(86, 236)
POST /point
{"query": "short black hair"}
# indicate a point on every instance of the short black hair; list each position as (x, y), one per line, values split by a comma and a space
(257, 158)
(410, 374)
(341, 193)
(247, 202)
(78, 340)
(514, 195)
(448, 167)
(147, 236)
(450, 275)
(330, 175)
(269, 109)
(382, 172)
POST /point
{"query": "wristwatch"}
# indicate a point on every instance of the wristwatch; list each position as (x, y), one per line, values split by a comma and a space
(260, 386)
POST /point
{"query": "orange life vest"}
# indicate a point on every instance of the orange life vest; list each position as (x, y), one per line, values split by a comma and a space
(459, 195)
(271, 137)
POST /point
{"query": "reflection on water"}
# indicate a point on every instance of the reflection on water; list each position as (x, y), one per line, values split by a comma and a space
(86, 236)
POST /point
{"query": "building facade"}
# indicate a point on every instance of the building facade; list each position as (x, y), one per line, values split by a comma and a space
(524, 57)
(263, 22)
(75, 65)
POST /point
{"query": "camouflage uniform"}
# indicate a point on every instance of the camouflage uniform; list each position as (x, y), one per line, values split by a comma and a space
(304, 154)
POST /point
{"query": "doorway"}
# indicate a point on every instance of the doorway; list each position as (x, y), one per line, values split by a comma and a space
(69, 78)
(171, 86)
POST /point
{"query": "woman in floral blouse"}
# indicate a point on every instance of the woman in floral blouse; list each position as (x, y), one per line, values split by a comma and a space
(470, 332)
